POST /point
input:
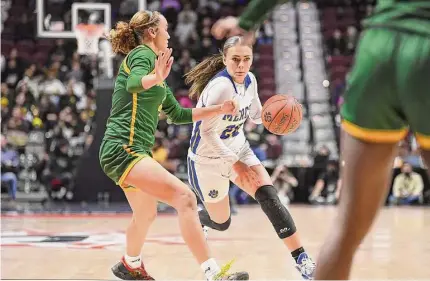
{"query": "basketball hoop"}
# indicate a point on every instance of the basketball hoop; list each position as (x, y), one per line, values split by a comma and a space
(88, 36)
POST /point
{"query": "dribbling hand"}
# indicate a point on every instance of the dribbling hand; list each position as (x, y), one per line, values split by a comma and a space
(163, 65)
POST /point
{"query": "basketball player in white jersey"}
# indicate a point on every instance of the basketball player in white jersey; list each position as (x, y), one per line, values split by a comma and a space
(219, 152)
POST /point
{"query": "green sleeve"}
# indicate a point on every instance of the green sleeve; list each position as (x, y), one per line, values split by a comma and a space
(255, 13)
(140, 63)
(176, 113)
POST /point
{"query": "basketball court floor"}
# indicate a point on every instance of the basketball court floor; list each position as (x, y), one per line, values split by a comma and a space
(86, 246)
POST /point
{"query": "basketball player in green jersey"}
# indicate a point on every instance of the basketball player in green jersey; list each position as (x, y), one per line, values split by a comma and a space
(388, 93)
(125, 154)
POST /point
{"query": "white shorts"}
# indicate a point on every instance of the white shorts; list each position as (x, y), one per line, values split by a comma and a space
(210, 179)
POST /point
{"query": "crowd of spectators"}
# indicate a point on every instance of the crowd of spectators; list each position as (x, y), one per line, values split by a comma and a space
(47, 105)
(48, 99)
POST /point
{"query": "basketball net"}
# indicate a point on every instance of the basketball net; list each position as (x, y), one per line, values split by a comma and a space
(88, 36)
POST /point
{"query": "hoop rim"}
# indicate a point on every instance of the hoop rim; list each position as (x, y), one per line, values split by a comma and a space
(89, 28)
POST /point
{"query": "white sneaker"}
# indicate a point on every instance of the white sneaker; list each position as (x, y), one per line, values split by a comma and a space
(306, 266)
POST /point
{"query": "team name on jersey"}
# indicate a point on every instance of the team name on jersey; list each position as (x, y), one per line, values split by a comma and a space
(242, 115)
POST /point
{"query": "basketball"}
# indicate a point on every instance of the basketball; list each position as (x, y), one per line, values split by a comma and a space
(282, 114)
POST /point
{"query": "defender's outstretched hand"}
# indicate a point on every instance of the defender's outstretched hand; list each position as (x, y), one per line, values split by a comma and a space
(228, 27)
(163, 65)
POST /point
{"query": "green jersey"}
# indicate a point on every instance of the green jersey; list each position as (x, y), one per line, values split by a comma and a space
(134, 115)
(406, 15)
(409, 16)
(256, 12)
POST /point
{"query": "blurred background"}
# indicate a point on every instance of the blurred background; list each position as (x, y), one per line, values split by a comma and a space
(57, 76)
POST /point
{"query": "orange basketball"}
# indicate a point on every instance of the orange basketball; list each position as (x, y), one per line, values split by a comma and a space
(282, 114)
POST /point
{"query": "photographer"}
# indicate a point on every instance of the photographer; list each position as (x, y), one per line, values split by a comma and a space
(327, 187)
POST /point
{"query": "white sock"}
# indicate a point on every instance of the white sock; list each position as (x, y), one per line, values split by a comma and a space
(133, 262)
(210, 268)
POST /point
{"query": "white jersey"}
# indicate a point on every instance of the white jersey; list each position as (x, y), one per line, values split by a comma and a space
(222, 137)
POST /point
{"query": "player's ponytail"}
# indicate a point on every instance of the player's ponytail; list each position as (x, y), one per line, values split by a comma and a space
(201, 74)
(127, 36)
(122, 39)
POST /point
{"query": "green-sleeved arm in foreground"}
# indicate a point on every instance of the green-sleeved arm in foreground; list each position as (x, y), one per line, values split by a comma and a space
(256, 11)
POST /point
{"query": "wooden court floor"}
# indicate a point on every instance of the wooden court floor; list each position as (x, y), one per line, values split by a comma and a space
(83, 247)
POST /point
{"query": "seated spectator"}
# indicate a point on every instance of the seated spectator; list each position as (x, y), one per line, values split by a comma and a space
(320, 161)
(351, 39)
(17, 128)
(327, 187)
(284, 181)
(408, 187)
(336, 44)
(59, 172)
(321, 158)
(52, 85)
(30, 80)
(13, 70)
(9, 167)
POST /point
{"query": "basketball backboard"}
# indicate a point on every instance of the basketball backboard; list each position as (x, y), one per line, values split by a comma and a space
(58, 18)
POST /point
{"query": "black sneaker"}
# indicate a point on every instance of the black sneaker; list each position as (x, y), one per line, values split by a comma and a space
(242, 275)
(124, 272)
(224, 275)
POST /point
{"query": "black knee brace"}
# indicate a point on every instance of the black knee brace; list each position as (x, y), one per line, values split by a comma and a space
(277, 213)
(221, 226)
(205, 220)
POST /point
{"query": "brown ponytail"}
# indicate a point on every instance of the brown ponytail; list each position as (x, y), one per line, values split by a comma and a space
(202, 73)
(127, 36)
(122, 38)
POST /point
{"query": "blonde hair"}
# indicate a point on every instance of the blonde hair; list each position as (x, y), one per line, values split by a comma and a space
(201, 74)
(127, 36)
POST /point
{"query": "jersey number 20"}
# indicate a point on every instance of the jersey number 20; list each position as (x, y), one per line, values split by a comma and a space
(230, 132)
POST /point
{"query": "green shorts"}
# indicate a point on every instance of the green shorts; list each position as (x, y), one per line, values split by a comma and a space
(118, 159)
(388, 89)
